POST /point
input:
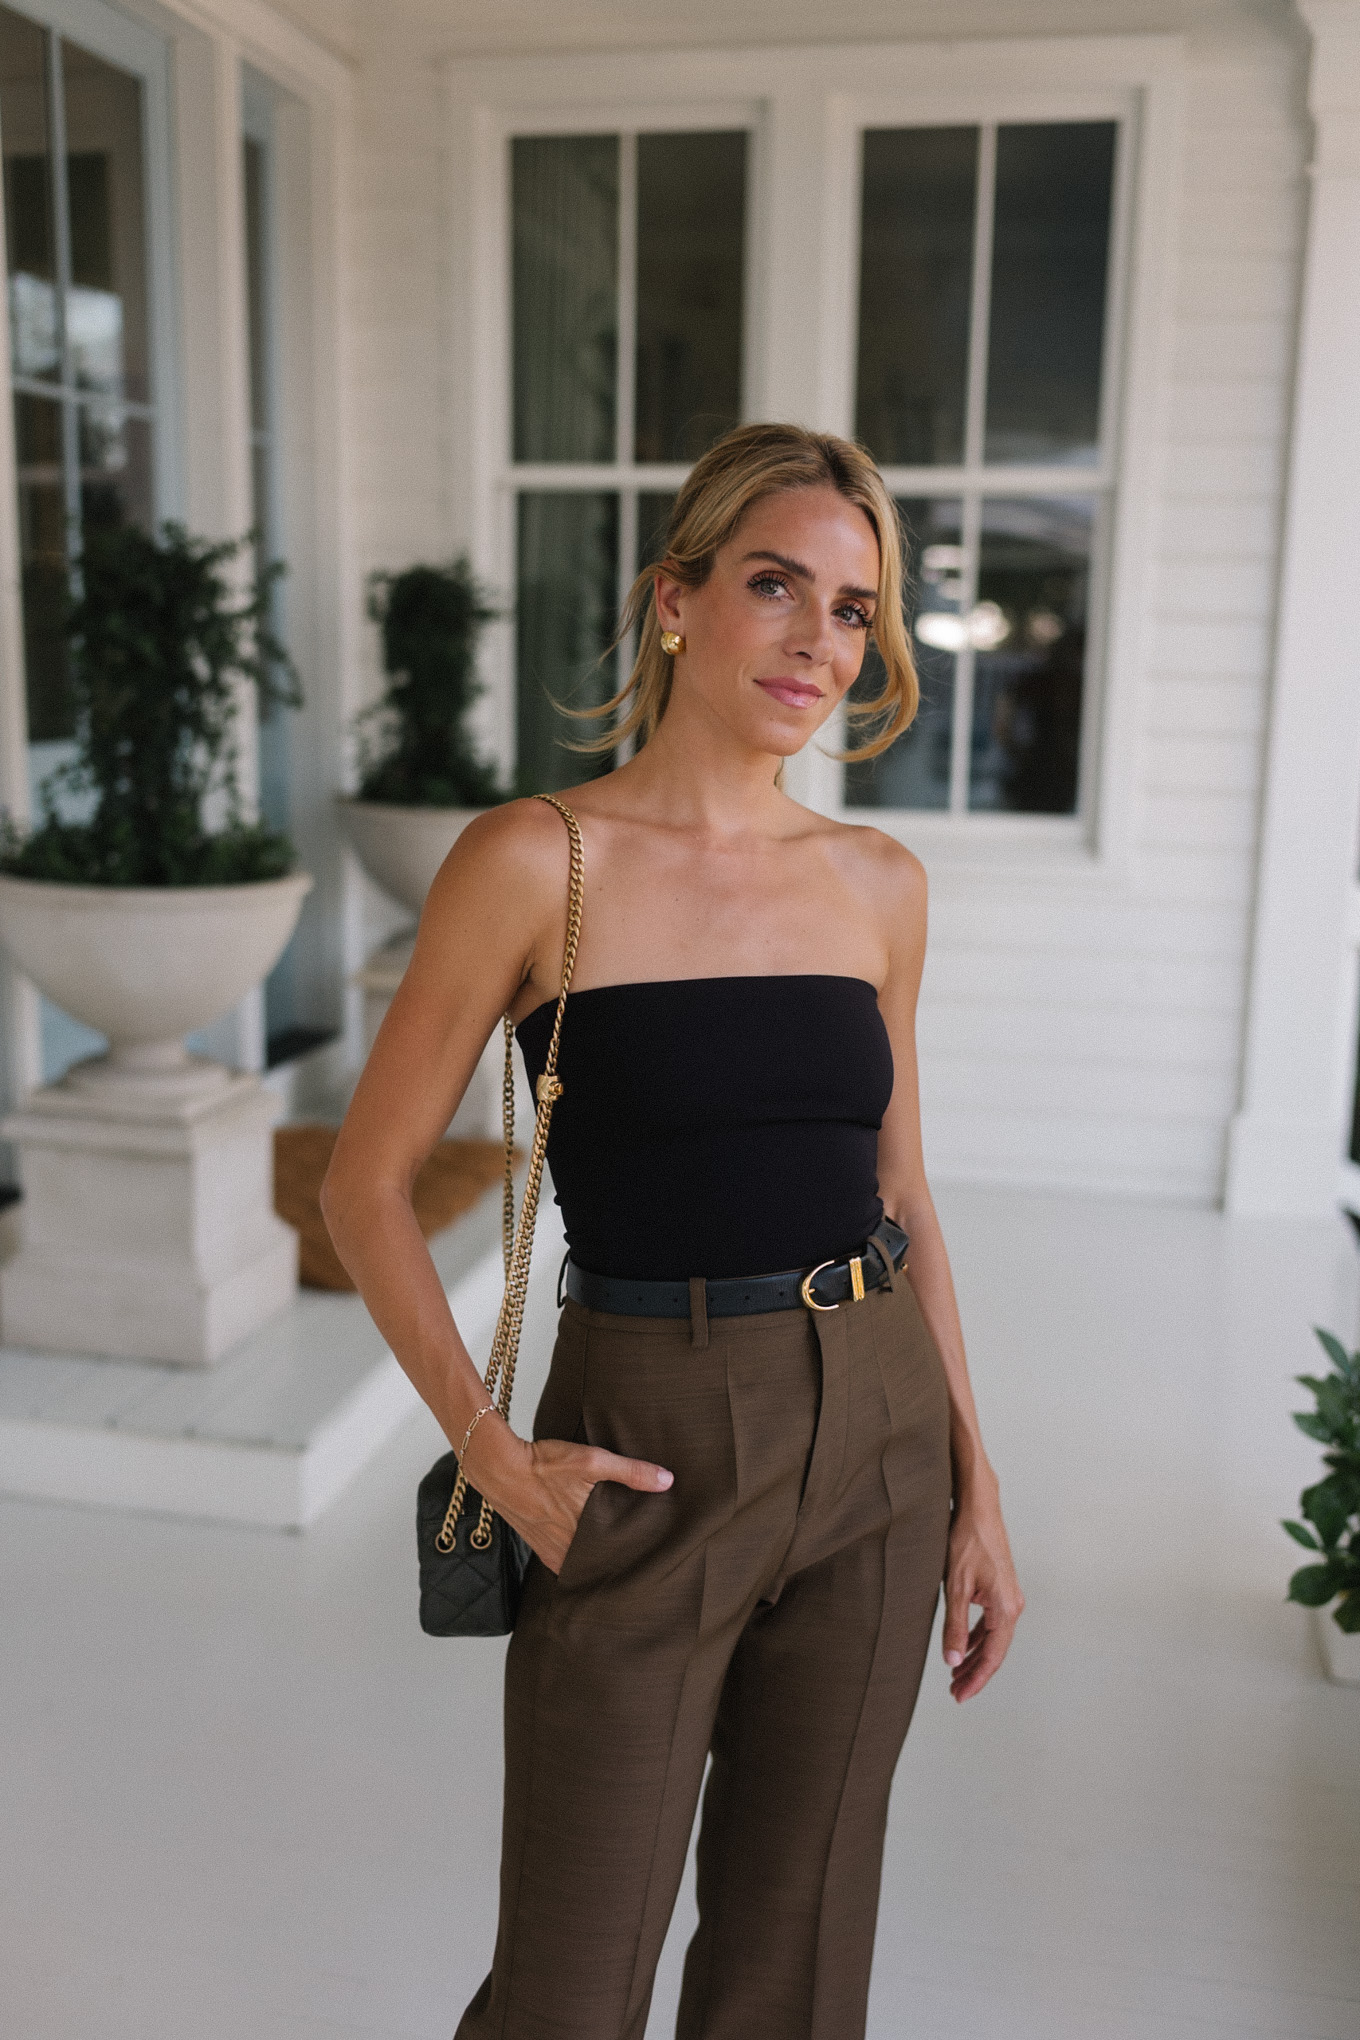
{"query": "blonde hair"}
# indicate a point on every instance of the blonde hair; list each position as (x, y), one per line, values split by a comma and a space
(745, 465)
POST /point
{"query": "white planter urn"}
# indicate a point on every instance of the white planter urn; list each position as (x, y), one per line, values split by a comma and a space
(401, 848)
(1340, 1651)
(147, 1226)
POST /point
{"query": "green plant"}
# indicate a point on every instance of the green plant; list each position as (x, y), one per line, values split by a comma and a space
(159, 642)
(421, 754)
(1332, 1507)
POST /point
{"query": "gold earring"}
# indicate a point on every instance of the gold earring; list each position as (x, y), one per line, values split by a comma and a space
(672, 642)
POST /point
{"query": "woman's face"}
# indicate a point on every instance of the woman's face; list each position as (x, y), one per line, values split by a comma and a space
(775, 637)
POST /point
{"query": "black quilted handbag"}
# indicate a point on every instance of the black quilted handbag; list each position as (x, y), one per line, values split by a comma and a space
(472, 1564)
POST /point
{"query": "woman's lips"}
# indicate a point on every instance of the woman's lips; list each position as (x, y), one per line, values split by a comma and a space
(793, 693)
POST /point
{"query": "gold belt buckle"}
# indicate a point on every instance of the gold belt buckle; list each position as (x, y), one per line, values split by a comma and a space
(856, 1284)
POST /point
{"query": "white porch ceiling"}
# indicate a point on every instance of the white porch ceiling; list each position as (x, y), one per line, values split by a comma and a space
(435, 28)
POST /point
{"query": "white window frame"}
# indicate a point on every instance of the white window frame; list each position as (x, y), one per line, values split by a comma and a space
(806, 109)
(973, 479)
(624, 476)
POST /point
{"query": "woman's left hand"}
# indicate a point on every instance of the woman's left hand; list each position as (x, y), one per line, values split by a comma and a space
(980, 1574)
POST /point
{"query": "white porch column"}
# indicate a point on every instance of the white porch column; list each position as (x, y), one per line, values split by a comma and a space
(1286, 1142)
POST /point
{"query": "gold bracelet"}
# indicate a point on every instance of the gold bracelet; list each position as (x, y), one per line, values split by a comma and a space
(484, 1411)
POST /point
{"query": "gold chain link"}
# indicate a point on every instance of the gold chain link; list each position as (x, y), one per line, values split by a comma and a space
(517, 1242)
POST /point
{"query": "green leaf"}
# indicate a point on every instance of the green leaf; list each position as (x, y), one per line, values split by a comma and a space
(1325, 1507)
(1347, 1615)
(1334, 1406)
(1336, 1352)
(1334, 1349)
(1302, 1536)
(1313, 1586)
(1313, 1427)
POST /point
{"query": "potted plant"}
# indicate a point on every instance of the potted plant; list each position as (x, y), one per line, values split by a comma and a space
(1331, 1512)
(420, 778)
(145, 903)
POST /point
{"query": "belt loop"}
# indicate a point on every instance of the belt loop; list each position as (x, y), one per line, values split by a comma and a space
(562, 1276)
(698, 1311)
(880, 1247)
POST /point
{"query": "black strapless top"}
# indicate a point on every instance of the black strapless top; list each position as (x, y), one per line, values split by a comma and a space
(716, 1126)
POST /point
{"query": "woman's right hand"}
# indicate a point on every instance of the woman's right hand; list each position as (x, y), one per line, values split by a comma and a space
(541, 1488)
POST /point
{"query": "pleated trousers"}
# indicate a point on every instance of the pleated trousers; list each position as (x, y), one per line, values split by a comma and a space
(774, 1609)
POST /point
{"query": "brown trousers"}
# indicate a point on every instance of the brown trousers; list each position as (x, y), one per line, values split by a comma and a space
(774, 1607)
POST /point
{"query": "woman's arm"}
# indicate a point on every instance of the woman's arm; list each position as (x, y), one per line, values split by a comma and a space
(980, 1571)
(491, 934)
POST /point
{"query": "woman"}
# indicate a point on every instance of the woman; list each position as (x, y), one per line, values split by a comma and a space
(742, 1494)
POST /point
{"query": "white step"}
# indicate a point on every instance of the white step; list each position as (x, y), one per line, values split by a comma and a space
(269, 1436)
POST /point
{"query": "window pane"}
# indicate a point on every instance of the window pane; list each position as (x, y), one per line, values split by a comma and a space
(691, 229)
(34, 338)
(1050, 253)
(115, 467)
(565, 208)
(916, 264)
(914, 773)
(1033, 581)
(43, 565)
(654, 516)
(253, 178)
(107, 312)
(565, 609)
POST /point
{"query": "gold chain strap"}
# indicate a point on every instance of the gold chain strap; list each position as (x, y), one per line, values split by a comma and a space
(517, 1242)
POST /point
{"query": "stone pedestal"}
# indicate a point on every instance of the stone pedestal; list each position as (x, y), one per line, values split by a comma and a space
(147, 1226)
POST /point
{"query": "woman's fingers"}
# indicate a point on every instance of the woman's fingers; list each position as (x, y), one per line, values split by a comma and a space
(634, 1473)
(988, 1648)
(958, 1596)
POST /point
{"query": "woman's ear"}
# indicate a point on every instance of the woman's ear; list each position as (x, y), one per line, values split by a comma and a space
(668, 595)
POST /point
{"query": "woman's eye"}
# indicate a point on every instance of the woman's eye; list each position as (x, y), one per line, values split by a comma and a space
(768, 584)
(856, 617)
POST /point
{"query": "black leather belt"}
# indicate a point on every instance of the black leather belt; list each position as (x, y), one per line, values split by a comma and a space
(824, 1287)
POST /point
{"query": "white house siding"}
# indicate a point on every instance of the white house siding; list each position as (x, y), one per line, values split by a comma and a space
(1084, 1039)
(1075, 1031)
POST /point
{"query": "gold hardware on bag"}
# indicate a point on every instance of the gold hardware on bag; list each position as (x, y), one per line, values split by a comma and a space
(517, 1241)
(857, 1278)
(805, 1288)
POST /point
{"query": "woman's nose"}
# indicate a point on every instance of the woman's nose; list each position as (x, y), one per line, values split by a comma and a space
(810, 638)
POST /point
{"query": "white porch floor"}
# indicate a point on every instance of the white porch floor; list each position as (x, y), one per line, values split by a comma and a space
(241, 1798)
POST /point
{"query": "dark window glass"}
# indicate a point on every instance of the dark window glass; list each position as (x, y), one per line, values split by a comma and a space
(1030, 628)
(1050, 255)
(565, 206)
(914, 772)
(116, 482)
(916, 260)
(565, 609)
(34, 333)
(253, 181)
(691, 227)
(78, 321)
(107, 304)
(44, 565)
(653, 520)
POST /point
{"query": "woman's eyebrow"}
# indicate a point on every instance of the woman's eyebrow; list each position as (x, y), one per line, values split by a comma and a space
(803, 573)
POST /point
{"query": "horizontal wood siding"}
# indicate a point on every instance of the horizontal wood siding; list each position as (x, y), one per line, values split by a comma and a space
(1094, 1039)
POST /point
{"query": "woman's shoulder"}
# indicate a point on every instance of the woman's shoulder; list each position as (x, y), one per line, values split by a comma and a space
(873, 862)
(519, 836)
